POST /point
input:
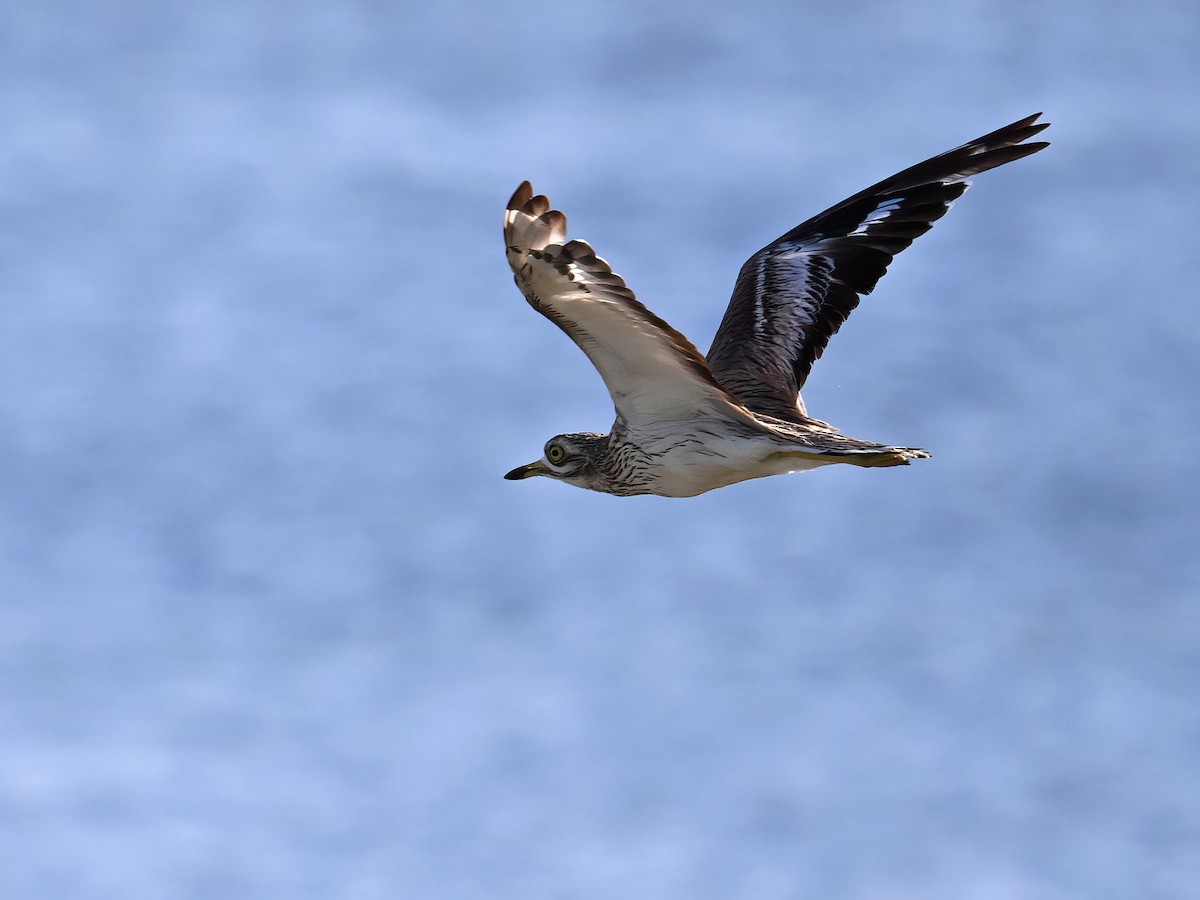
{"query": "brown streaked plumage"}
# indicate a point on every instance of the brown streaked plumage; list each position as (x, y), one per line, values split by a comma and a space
(686, 423)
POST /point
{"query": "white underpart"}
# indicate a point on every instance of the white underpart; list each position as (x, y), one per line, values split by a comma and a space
(685, 468)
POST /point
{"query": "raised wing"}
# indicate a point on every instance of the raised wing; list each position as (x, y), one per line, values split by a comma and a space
(793, 295)
(651, 370)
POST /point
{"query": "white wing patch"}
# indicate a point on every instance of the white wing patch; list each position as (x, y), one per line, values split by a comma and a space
(879, 214)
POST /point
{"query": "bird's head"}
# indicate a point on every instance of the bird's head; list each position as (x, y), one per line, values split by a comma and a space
(572, 458)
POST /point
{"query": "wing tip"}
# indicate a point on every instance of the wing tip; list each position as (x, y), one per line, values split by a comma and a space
(526, 201)
(530, 223)
(521, 196)
(989, 151)
(1015, 133)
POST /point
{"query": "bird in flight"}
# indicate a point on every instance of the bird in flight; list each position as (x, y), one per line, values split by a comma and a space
(688, 423)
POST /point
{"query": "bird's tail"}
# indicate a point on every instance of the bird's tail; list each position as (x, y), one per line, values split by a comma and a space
(869, 457)
(891, 456)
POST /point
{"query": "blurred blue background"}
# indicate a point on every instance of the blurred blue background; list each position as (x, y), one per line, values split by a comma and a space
(271, 623)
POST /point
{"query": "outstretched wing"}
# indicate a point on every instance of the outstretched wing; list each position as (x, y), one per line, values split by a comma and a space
(793, 295)
(651, 370)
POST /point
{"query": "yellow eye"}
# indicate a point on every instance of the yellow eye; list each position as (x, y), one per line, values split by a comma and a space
(555, 453)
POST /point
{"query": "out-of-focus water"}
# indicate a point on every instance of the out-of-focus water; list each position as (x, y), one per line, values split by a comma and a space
(271, 623)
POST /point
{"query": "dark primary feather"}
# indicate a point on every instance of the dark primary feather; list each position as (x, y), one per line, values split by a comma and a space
(793, 295)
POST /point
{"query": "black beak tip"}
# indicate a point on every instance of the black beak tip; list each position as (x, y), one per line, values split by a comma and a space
(517, 474)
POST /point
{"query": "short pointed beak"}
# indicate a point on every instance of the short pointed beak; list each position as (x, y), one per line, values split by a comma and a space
(520, 472)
